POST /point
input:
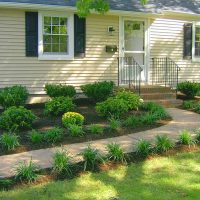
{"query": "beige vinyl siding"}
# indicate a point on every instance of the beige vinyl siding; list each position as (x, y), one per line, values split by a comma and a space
(15, 68)
(166, 39)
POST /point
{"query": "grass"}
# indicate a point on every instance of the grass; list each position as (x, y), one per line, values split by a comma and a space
(162, 178)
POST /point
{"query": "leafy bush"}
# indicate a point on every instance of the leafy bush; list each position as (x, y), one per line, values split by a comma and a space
(114, 124)
(13, 96)
(35, 137)
(96, 129)
(143, 148)
(197, 107)
(61, 163)
(132, 100)
(98, 91)
(163, 143)
(5, 184)
(15, 118)
(91, 157)
(189, 88)
(188, 104)
(26, 171)
(75, 130)
(197, 138)
(186, 138)
(72, 118)
(133, 121)
(53, 135)
(112, 107)
(9, 141)
(116, 153)
(60, 90)
(58, 106)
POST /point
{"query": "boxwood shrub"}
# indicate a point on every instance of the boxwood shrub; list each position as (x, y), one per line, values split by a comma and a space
(54, 90)
(72, 118)
(13, 96)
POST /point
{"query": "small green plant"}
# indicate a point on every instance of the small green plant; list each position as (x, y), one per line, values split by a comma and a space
(197, 138)
(132, 121)
(53, 135)
(114, 124)
(186, 138)
(35, 137)
(96, 129)
(9, 141)
(197, 107)
(163, 143)
(188, 104)
(58, 106)
(143, 148)
(5, 184)
(26, 171)
(75, 130)
(98, 91)
(15, 118)
(72, 118)
(61, 163)
(60, 90)
(116, 153)
(13, 96)
(91, 157)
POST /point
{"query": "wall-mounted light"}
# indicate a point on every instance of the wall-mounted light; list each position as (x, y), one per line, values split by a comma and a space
(111, 30)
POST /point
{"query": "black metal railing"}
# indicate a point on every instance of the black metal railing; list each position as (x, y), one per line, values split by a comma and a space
(129, 73)
(165, 72)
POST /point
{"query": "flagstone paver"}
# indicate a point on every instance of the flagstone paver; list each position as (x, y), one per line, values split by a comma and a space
(181, 120)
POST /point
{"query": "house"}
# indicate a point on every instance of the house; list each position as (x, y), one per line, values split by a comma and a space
(44, 41)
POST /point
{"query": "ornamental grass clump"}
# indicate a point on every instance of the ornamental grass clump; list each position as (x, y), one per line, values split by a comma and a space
(9, 142)
(143, 148)
(96, 129)
(185, 138)
(35, 137)
(53, 135)
(75, 130)
(163, 143)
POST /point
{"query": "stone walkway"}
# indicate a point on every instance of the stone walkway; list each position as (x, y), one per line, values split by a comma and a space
(181, 120)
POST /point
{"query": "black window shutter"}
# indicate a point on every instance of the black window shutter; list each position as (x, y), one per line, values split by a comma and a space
(31, 21)
(187, 51)
(79, 36)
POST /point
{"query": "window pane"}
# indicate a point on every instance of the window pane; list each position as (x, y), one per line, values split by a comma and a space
(55, 29)
(63, 39)
(63, 48)
(47, 29)
(55, 47)
(63, 29)
(63, 21)
(47, 48)
(55, 20)
(47, 20)
(55, 38)
(47, 39)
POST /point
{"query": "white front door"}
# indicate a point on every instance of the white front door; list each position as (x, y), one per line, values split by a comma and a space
(133, 42)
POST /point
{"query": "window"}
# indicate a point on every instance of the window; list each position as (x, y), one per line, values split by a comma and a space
(55, 36)
(197, 41)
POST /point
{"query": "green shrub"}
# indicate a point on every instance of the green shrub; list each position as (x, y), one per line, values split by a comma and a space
(132, 100)
(132, 121)
(35, 137)
(72, 118)
(163, 143)
(26, 171)
(53, 135)
(114, 124)
(96, 129)
(91, 157)
(112, 107)
(15, 118)
(54, 90)
(186, 138)
(116, 153)
(197, 138)
(197, 107)
(58, 106)
(61, 163)
(148, 119)
(75, 130)
(13, 96)
(98, 91)
(188, 104)
(5, 184)
(143, 148)
(9, 141)
(189, 88)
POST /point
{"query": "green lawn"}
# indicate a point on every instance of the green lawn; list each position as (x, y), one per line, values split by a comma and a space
(167, 178)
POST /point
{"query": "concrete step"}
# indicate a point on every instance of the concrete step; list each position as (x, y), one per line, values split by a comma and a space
(168, 103)
(158, 96)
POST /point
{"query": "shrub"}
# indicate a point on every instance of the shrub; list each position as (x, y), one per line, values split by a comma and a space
(143, 148)
(91, 157)
(133, 121)
(26, 171)
(197, 138)
(53, 135)
(60, 90)
(114, 124)
(16, 118)
(35, 137)
(61, 163)
(9, 141)
(163, 143)
(112, 107)
(188, 104)
(72, 118)
(132, 100)
(75, 130)
(186, 138)
(96, 129)
(197, 107)
(98, 91)
(58, 106)
(116, 153)
(189, 88)
(13, 96)
(5, 184)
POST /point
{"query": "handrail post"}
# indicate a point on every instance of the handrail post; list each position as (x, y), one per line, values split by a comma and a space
(118, 59)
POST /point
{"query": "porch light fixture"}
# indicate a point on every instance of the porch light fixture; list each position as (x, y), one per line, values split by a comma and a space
(111, 30)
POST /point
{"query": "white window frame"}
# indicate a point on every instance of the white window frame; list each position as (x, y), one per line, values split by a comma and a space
(194, 58)
(70, 28)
